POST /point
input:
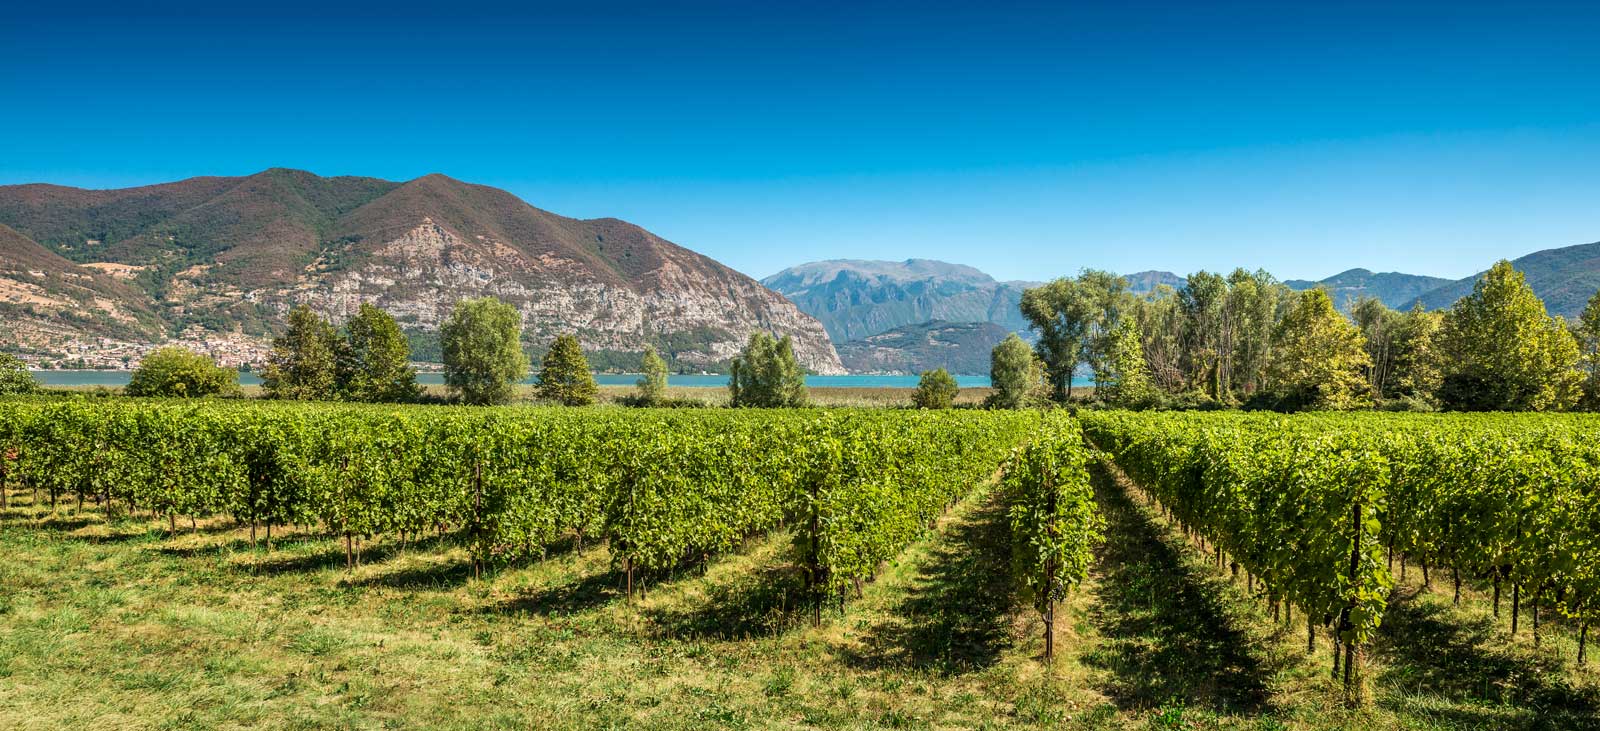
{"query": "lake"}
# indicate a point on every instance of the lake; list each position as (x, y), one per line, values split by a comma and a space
(120, 378)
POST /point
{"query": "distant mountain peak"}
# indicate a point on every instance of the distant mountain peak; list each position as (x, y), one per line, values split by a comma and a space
(856, 298)
(909, 270)
(1395, 290)
(1147, 281)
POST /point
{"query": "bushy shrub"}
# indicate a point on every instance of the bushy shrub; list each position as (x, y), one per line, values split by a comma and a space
(766, 374)
(936, 390)
(564, 374)
(15, 377)
(181, 373)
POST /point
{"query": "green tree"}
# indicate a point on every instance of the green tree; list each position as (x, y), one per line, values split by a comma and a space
(1503, 352)
(1015, 374)
(1108, 299)
(302, 365)
(15, 377)
(482, 345)
(936, 389)
(374, 362)
(181, 373)
(1587, 332)
(1319, 357)
(1127, 381)
(1207, 342)
(766, 374)
(1160, 325)
(1252, 308)
(1414, 351)
(653, 381)
(564, 374)
(1074, 318)
(1378, 324)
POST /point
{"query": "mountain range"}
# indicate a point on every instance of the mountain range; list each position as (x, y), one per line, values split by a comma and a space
(855, 298)
(215, 263)
(218, 261)
(1564, 278)
(913, 315)
(1395, 290)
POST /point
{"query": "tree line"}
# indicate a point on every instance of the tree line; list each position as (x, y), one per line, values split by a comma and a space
(1247, 340)
(368, 359)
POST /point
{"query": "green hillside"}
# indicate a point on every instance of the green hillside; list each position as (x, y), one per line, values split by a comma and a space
(1564, 278)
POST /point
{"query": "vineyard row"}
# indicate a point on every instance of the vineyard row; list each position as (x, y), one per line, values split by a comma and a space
(661, 487)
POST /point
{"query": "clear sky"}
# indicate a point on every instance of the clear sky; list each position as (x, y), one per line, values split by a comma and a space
(1029, 140)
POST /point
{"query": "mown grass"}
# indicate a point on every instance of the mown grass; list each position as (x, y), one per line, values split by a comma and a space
(118, 625)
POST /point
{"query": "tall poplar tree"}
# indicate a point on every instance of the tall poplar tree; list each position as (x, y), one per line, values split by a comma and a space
(302, 364)
(374, 362)
(1074, 319)
(653, 377)
(1127, 381)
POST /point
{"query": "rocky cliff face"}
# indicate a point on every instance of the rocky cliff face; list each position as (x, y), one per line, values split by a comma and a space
(230, 257)
(421, 274)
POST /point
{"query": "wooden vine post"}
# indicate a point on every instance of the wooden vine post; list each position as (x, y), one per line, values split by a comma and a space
(813, 559)
(477, 519)
(1351, 652)
(1050, 573)
(632, 483)
(349, 554)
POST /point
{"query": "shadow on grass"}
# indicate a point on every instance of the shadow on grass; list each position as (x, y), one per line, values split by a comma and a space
(1167, 635)
(289, 552)
(1425, 648)
(955, 617)
(292, 560)
(593, 590)
(120, 536)
(446, 574)
(759, 603)
(581, 594)
(66, 523)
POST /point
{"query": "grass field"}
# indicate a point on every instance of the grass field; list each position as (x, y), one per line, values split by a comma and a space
(116, 625)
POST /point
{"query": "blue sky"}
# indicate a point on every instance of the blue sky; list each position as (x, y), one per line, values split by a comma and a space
(1029, 140)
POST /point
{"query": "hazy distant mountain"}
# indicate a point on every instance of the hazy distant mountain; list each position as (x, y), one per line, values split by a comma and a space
(218, 258)
(1564, 278)
(1146, 282)
(855, 299)
(1398, 291)
(959, 347)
